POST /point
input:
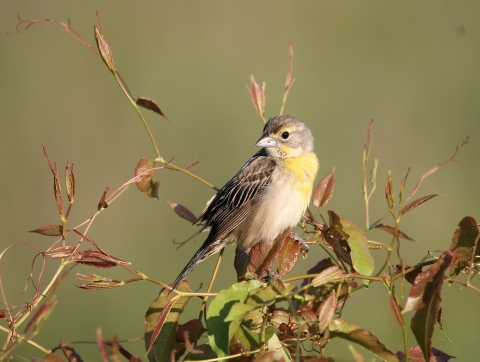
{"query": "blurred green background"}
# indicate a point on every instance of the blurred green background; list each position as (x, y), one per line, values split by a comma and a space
(412, 66)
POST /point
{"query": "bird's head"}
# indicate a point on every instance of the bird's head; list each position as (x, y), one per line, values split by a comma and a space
(285, 136)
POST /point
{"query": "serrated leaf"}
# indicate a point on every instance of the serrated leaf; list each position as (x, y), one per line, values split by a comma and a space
(425, 298)
(49, 230)
(324, 190)
(218, 329)
(183, 212)
(161, 322)
(362, 260)
(416, 203)
(351, 332)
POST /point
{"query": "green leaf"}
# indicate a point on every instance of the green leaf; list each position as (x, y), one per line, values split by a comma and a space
(238, 311)
(356, 239)
(218, 328)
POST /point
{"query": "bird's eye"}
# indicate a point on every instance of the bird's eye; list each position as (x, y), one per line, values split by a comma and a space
(285, 135)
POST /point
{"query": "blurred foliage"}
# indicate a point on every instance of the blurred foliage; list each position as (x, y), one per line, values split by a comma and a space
(411, 66)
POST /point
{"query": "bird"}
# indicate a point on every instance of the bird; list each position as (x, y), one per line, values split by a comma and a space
(268, 194)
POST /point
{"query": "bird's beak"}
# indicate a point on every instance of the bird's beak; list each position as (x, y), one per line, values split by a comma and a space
(266, 141)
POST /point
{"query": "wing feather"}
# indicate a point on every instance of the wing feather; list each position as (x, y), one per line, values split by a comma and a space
(234, 201)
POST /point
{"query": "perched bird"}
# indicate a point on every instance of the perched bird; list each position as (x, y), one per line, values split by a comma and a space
(268, 195)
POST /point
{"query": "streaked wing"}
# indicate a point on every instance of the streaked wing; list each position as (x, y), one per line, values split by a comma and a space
(234, 201)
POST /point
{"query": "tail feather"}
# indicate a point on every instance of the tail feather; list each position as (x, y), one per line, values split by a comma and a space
(204, 252)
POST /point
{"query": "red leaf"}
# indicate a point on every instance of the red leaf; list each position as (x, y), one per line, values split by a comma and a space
(257, 95)
(161, 319)
(102, 204)
(425, 298)
(97, 259)
(463, 242)
(104, 49)
(317, 268)
(391, 230)
(102, 346)
(263, 255)
(389, 194)
(49, 230)
(326, 311)
(416, 203)
(288, 255)
(410, 277)
(183, 212)
(149, 104)
(324, 190)
(70, 182)
(61, 252)
(397, 312)
(332, 274)
(416, 355)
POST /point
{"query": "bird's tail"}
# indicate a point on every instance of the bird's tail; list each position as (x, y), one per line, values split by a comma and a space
(201, 254)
